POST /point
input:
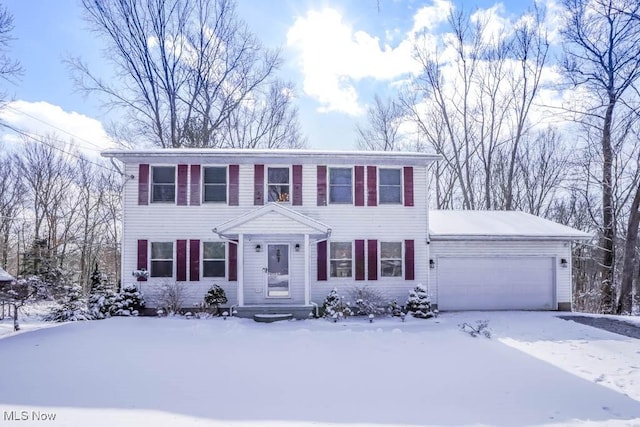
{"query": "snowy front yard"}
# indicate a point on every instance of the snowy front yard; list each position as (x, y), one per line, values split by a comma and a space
(535, 370)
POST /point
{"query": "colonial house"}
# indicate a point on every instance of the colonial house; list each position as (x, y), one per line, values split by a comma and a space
(278, 229)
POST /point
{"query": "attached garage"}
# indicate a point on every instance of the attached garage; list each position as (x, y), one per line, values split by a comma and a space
(497, 260)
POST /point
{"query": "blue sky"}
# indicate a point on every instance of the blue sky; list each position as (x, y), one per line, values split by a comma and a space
(339, 53)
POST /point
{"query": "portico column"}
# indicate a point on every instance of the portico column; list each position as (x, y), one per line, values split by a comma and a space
(307, 293)
(240, 267)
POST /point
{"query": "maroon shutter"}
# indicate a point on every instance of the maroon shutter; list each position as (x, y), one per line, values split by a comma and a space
(234, 189)
(195, 185)
(181, 260)
(372, 186)
(233, 261)
(194, 260)
(409, 260)
(359, 259)
(322, 260)
(183, 170)
(143, 184)
(297, 185)
(142, 257)
(359, 178)
(258, 185)
(408, 186)
(372, 259)
(322, 186)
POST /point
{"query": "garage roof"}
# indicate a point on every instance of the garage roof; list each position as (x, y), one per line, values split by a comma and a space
(455, 224)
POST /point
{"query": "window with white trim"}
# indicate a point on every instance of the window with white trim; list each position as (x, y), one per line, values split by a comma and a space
(340, 185)
(215, 184)
(390, 259)
(341, 259)
(390, 186)
(161, 259)
(278, 184)
(163, 184)
(213, 259)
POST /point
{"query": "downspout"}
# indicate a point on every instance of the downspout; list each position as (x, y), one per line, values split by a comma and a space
(315, 305)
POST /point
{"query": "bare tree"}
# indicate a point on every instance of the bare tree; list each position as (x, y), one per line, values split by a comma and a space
(10, 69)
(382, 130)
(602, 55)
(11, 193)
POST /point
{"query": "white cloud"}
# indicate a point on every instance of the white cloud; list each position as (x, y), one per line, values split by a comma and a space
(429, 17)
(71, 129)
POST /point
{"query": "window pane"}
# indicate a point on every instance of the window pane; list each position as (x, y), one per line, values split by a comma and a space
(278, 175)
(217, 175)
(390, 195)
(215, 193)
(340, 250)
(340, 176)
(340, 194)
(391, 250)
(161, 250)
(163, 193)
(213, 268)
(213, 250)
(391, 268)
(161, 268)
(164, 175)
(278, 193)
(341, 268)
(390, 176)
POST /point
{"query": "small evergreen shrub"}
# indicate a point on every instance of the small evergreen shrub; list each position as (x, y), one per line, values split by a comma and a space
(394, 309)
(215, 297)
(334, 307)
(101, 296)
(72, 306)
(419, 303)
(129, 302)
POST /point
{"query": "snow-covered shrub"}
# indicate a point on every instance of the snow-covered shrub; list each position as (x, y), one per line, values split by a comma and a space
(367, 301)
(171, 298)
(334, 307)
(482, 327)
(394, 309)
(102, 297)
(419, 303)
(129, 302)
(215, 297)
(20, 292)
(72, 306)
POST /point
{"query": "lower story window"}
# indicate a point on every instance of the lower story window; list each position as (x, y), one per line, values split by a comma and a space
(390, 259)
(340, 257)
(161, 259)
(213, 259)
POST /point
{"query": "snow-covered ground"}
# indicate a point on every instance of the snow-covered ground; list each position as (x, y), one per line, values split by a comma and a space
(536, 370)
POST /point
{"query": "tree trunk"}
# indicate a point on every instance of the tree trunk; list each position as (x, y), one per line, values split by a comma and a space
(608, 220)
(628, 269)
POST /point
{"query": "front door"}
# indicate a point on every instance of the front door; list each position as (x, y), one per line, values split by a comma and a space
(278, 270)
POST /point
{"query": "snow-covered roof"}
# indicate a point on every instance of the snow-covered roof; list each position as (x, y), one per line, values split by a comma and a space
(453, 224)
(4, 276)
(249, 156)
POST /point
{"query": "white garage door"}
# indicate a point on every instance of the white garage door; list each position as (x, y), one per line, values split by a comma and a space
(495, 283)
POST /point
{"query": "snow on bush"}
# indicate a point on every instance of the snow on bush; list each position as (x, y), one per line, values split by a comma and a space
(72, 306)
(481, 328)
(215, 297)
(128, 302)
(334, 307)
(367, 301)
(419, 302)
(171, 298)
(102, 297)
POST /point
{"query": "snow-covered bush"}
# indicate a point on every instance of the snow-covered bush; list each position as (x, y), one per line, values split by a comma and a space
(129, 302)
(102, 297)
(171, 298)
(419, 302)
(482, 327)
(21, 292)
(334, 307)
(394, 309)
(367, 301)
(215, 297)
(72, 306)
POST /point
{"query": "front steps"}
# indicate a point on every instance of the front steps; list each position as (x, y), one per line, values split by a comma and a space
(296, 311)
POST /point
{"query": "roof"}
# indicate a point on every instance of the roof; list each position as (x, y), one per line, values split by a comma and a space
(251, 156)
(451, 225)
(5, 277)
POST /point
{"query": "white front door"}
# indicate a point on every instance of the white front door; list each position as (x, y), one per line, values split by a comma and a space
(278, 270)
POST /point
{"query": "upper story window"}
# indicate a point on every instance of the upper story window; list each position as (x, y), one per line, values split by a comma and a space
(215, 184)
(213, 259)
(163, 184)
(340, 259)
(390, 187)
(340, 185)
(390, 259)
(161, 259)
(278, 184)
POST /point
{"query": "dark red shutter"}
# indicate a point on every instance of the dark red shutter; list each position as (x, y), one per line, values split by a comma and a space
(181, 260)
(372, 186)
(258, 185)
(142, 257)
(409, 260)
(359, 178)
(359, 259)
(322, 260)
(322, 186)
(233, 261)
(408, 186)
(194, 194)
(297, 185)
(372, 259)
(143, 184)
(183, 170)
(234, 189)
(194, 260)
